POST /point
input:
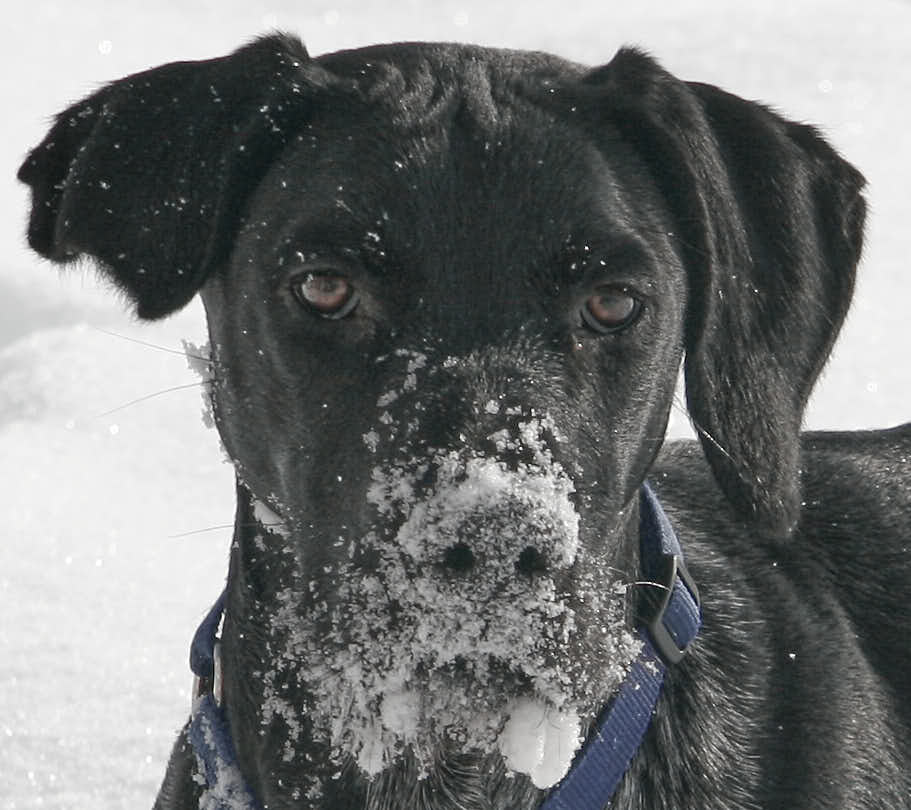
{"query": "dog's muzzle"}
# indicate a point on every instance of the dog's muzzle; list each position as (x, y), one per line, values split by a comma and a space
(453, 602)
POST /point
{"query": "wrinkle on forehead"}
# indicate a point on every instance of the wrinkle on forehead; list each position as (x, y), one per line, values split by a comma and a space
(429, 84)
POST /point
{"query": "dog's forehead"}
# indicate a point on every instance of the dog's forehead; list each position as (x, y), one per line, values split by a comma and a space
(435, 110)
(449, 148)
(414, 79)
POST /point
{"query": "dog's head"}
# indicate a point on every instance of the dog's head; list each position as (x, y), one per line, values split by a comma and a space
(448, 292)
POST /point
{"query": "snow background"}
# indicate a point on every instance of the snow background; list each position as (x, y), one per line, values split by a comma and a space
(116, 516)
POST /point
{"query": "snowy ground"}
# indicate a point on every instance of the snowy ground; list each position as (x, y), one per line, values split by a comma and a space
(114, 537)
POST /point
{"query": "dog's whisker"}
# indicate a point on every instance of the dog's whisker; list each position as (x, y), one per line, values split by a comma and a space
(218, 528)
(258, 524)
(715, 443)
(158, 347)
(678, 404)
(676, 237)
(152, 396)
(648, 583)
(742, 472)
(221, 527)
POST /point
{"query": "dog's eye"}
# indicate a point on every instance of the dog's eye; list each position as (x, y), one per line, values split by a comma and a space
(326, 294)
(610, 310)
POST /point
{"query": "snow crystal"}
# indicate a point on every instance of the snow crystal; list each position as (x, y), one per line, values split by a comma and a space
(387, 399)
(400, 712)
(372, 440)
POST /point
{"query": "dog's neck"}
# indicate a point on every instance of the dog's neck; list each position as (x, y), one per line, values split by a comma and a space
(259, 574)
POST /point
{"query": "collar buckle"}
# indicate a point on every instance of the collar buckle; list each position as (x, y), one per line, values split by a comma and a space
(210, 684)
(672, 608)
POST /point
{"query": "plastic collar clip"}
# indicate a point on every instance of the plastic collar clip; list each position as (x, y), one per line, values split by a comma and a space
(670, 574)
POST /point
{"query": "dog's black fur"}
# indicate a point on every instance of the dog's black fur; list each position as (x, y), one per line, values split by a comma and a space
(478, 200)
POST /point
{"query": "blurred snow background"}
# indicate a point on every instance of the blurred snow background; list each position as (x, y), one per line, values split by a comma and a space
(114, 528)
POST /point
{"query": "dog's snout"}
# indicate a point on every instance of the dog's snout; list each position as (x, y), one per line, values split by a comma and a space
(477, 519)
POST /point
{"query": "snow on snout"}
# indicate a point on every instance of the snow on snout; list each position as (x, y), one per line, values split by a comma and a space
(492, 510)
(463, 639)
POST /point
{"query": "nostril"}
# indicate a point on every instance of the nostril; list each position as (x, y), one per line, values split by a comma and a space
(459, 557)
(531, 561)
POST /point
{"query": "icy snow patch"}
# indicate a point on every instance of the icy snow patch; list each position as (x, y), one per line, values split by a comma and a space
(199, 360)
(540, 741)
(268, 519)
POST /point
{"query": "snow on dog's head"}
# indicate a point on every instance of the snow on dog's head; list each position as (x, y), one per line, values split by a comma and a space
(454, 619)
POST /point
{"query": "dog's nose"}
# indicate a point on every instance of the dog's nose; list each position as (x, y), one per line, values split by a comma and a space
(479, 523)
(460, 559)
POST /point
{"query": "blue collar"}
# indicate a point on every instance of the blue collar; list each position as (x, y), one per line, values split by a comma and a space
(666, 633)
(672, 623)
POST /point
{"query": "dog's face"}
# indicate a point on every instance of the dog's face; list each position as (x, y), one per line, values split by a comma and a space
(448, 291)
(427, 319)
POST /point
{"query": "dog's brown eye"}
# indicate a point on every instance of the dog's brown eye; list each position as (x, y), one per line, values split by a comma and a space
(328, 295)
(610, 310)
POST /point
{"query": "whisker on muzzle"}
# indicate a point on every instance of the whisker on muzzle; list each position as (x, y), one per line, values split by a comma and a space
(153, 395)
(221, 527)
(647, 583)
(180, 352)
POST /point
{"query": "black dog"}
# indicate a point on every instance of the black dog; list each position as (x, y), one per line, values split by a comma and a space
(448, 292)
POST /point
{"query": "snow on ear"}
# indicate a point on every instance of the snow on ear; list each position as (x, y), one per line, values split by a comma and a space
(148, 176)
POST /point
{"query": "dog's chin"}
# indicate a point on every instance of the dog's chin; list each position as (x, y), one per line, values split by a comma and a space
(455, 779)
(460, 713)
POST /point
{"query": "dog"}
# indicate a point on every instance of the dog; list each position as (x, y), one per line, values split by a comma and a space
(448, 292)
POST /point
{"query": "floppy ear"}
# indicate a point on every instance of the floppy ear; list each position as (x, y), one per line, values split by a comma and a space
(149, 175)
(769, 222)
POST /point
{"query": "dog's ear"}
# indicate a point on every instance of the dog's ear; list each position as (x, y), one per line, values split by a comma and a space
(149, 175)
(769, 220)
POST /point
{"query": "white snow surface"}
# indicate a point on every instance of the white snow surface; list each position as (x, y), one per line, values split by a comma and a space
(117, 516)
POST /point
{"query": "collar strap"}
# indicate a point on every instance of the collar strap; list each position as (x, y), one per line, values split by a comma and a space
(671, 622)
(208, 731)
(205, 656)
(216, 760)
